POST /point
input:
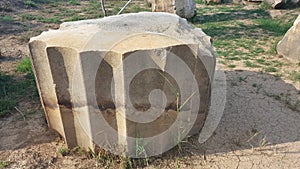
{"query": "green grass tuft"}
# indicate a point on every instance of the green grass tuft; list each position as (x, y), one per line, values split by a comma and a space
(295, 76)
(11, 89)
(4, 164)
(232, 66)
(265, 5)
(6, 18)
(63, 151)
(6, 105)
(30, 3)
(50, 20)
(270, 69)
(200, 1)
(74, 2)
(276, 27)
(24, 66)
(28, 17)
(263, 62)
(250, 64)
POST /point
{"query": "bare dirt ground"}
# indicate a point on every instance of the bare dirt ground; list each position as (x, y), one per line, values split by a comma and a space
(260, 127)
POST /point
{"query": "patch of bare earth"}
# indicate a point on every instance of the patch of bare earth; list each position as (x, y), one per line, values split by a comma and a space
(260, 127)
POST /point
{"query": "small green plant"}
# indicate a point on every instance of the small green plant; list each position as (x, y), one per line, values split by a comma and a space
(265, 5)
(277, 63)
(4, 164)
(278, 76)
(44, 1)
(257, 86)
(26, 16)
(259, 50)
(231, 66)
(30, 3)
(139, 147)
(94, 5)
(263, 142)
(6, 105)
(74, 2)
(200, 1)
(136, 8)
(49, 20)
(78, 150)
(63, 151)
(270, 69)
(253, 133)
(272, 50)
(6, 18)
(238, 142)
(263, 62)
(223, 53)
(224, 62)
(24, 66)
(250, 64)
(275, 27)
(176, 163)
(294, 75)
(233, 58)
(108, 160)
(242, 79)
(104, 157)
(116, 9)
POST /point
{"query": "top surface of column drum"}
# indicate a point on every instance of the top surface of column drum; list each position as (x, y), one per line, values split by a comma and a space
(141, 75)
(111, 29)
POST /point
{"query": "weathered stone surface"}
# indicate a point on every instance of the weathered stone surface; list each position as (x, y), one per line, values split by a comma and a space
(289, 46)
(100, 77)
(185, 9)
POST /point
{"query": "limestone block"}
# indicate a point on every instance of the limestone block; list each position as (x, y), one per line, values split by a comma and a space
(289, 46)
(114, 81)
(185, 9)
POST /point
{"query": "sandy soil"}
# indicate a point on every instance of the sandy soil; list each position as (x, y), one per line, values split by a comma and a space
(260, 127)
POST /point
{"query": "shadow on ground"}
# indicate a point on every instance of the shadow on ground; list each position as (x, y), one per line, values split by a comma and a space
(22, 122)
(261, 111)
(259, 107)
(242, 23)
(232, 14)
(16, 133)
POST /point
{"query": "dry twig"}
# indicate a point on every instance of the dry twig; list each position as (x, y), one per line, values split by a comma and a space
(18, 110)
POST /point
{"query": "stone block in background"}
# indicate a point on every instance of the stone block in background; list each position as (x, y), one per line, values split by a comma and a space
(289, 46)
(185, 9)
